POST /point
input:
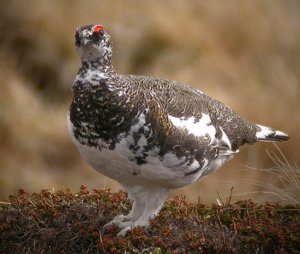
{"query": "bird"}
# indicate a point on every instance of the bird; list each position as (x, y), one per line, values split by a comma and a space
(151, 135)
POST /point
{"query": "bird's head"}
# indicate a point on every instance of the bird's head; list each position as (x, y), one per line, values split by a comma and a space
(93, 44)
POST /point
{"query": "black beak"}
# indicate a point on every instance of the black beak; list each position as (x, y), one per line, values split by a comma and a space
(77, 39)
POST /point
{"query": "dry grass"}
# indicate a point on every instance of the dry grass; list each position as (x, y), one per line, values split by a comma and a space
(246, 54)
(279, 184)
(284, 185)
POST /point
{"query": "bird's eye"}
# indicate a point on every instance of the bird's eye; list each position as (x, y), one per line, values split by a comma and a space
(98, 28)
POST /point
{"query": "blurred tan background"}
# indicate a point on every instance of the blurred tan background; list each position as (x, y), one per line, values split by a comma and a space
(244, 53)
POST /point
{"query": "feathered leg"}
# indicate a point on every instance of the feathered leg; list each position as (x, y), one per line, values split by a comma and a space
(147, 203)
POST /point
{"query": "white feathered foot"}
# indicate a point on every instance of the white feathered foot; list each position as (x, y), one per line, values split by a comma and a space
(147, 202)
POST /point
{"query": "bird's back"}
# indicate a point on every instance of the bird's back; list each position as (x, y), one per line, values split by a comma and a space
(179, 104)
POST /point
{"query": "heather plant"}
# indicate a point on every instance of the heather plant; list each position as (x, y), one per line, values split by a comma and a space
(67, 222)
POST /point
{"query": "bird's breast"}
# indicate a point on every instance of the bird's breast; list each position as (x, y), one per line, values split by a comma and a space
(100, 115)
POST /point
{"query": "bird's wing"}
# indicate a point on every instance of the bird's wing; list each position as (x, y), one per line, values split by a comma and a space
(185, 117)
(204, 116)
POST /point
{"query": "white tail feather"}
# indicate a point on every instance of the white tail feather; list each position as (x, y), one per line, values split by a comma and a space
(268, 134)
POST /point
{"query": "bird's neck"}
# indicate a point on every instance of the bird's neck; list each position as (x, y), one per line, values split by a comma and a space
(91, 73)
(104, 67)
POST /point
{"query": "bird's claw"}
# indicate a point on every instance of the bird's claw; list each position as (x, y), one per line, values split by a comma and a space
(107, 226)
(124, 231)
(120, 221)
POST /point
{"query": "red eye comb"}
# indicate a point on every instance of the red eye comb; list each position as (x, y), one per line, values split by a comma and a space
(98, 28)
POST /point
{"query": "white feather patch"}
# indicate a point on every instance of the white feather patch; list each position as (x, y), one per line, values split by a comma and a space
(198, 128)
(264, 132)
(225, 140)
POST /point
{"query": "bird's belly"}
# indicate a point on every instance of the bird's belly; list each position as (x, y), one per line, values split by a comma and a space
(169, 171)
(117, 165)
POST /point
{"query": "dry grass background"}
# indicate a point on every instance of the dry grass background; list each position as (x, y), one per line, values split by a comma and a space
(244, 53)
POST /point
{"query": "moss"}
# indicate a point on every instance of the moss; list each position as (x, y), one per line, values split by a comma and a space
(65, 222)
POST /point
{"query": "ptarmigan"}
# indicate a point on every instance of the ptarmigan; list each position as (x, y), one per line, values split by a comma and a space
(151, 135)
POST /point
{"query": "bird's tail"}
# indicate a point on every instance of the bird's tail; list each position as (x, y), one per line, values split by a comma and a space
(268, 134)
